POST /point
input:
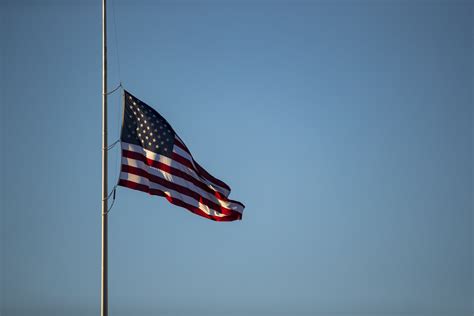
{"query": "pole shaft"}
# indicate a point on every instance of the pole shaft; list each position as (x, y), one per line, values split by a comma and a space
(104, 297)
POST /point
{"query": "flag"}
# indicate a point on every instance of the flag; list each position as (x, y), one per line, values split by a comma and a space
(155, 160)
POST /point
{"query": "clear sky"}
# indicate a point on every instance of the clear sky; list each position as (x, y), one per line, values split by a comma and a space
(345, 128)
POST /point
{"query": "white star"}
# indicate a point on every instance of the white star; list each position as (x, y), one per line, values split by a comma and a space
(149, 144)
(134, 103)
(151, 134)
(148, 127)
(138, 118)
(146, 137)
(144, 121)
(156, 146)
(138, 109)
(162, 142)
(154, 140)
(139, 135)
(130, 97)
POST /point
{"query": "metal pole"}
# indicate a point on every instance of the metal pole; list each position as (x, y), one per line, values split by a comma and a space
(104, 298)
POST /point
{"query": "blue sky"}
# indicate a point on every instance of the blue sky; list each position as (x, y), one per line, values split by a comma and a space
(345, 128)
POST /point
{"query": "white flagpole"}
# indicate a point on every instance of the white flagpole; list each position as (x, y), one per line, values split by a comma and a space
(104, 300)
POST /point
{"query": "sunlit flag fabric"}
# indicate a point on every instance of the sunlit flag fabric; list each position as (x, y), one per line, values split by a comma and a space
(155, 160)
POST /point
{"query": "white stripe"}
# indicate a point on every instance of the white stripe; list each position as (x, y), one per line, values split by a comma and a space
(173, 163)
(178, 150)
(171, 193)
(188, 157)
(183, 153)
(182, 182)
(170, 162)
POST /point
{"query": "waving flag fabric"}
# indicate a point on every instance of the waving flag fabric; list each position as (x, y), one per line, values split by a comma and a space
(155, 160)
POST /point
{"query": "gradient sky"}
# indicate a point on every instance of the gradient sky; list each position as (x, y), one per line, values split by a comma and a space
(345, 129)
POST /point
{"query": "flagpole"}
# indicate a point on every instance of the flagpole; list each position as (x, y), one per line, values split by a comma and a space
(104, 301)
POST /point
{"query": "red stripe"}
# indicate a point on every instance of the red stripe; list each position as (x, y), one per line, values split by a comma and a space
(183, 161)
(178, 202)
(176, 172)
(177, 188)
(200, 170)
(180, 144)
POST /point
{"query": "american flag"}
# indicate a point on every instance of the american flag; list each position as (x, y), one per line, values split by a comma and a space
(155, 160)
